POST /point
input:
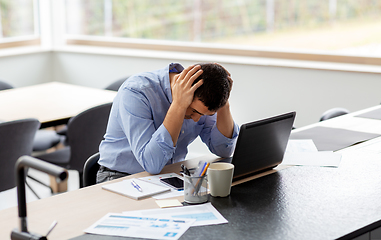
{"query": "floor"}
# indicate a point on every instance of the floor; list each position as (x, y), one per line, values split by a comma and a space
(8, 198)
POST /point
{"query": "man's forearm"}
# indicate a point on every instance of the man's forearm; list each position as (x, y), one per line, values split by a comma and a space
(173, 121)
(225, 123)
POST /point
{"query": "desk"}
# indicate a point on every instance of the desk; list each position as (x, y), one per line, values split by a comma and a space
(293, 203)
(51, 103)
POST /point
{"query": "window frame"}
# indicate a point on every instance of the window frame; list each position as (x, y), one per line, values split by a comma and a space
(229, 50)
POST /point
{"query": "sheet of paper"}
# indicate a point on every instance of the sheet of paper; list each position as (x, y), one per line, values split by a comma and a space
(204, 214)
(165, 203)
(304, 152)
(156, 180)
(301, 145)
(323, 159)
(154, 227)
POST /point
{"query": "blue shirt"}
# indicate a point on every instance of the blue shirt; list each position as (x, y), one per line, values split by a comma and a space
(136, 139)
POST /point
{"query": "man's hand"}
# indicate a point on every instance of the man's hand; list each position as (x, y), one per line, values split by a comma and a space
(182, 89)
(182, 97)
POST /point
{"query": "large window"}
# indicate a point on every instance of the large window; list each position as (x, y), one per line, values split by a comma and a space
(18, 22)
(329, 26)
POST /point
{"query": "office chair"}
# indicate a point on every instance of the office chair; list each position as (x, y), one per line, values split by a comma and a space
(333, 112)
(84, 134)
(116, 85)
(90, 170)
(4, 85)
(16, 140)
(112, 87)
(43, 139)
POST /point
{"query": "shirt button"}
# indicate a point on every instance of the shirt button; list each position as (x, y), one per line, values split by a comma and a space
(182, 131)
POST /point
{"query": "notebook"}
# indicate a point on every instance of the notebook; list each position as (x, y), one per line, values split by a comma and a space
(261, 145)
(127, 189)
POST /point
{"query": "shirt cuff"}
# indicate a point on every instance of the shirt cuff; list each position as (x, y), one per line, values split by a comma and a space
(219, 138)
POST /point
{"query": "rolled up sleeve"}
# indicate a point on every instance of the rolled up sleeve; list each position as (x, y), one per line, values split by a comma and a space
(216, 141)
(152, 148)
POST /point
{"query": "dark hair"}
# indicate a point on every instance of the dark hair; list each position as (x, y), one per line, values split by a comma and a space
(215, 90)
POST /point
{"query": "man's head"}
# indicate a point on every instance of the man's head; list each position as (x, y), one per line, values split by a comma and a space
(215, 90)
(212, 94)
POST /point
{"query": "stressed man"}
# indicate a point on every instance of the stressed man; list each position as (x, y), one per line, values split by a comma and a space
(157, 114)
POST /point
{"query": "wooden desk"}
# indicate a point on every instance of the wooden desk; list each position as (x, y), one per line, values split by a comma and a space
(51, 103)
(295, 203)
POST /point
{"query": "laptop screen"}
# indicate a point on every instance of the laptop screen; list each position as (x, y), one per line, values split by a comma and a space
(261, 145)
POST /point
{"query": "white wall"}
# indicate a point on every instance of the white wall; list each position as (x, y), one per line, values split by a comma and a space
(258, 91)
(27, 69)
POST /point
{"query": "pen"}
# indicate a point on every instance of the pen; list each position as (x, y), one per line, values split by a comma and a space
(199, 181)
(136, 186)
(185, 170)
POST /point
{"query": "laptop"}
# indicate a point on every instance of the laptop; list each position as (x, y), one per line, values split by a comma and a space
(261, 145)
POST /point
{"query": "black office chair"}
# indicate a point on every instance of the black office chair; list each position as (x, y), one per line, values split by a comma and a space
(16, 140)
(43, 139)
(90, 170)
(116, 85)
(112, 87)
(84, 134)
(333, 112)
(5, 85)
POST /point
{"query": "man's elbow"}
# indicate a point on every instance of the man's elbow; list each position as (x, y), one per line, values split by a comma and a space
(153, 169)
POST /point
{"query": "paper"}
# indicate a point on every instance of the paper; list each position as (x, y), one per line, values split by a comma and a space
(322, 159)
(305, 145)
(165, 203)
(127, 189)
(155, 179)
(114, 224)
(204, 214)
(304, 152)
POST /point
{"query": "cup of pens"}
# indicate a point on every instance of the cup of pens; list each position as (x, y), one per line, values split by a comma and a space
(195, 189)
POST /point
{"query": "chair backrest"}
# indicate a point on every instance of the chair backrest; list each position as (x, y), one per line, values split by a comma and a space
(16, 140)
(90, 170)
(333, 112)
(4, 85)
(85, 132)
(116, 85)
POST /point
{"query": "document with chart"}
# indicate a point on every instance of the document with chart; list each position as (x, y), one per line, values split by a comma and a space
(204, 214)
(115, 224)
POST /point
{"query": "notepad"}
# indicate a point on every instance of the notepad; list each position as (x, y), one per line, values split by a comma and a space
(127, 189)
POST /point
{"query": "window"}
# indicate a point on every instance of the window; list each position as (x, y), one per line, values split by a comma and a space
(18, 23)
(265, 26)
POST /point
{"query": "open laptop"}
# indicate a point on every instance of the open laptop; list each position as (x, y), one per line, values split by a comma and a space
(261, 145)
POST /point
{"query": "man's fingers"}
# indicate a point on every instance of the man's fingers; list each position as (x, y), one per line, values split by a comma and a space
(194, 77)
(189, 71)
(192, 72)
(185, 72)
(197, 85)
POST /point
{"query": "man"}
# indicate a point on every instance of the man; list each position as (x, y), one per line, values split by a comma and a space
(156, 115)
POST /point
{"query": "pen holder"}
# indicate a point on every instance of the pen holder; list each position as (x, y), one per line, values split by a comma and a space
(195, 189)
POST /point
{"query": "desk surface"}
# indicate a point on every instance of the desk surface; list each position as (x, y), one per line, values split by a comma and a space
(294, 203)
(50, 102)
